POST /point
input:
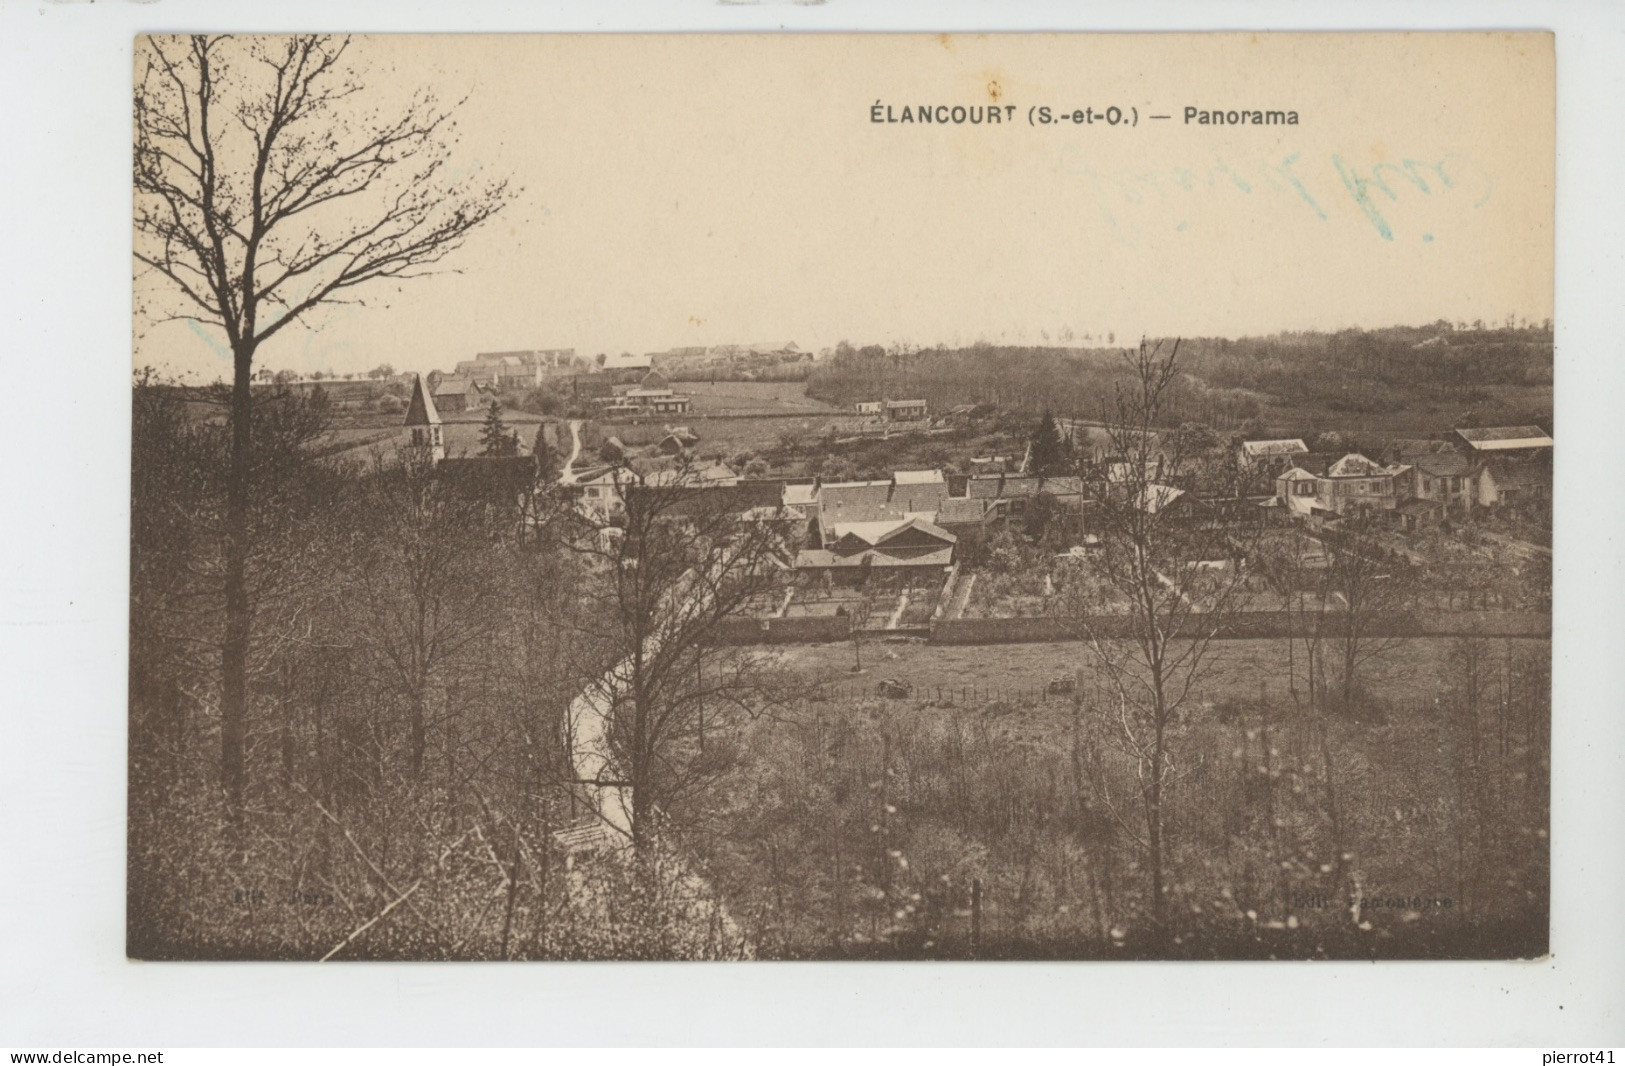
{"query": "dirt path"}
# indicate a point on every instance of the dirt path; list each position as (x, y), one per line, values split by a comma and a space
(567, 476)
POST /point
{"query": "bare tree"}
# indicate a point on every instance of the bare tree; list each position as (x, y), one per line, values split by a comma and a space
(667, 569)
(263, 192)
(1298, 569)
(417, 578)
(1150, 600)
(1370, 589)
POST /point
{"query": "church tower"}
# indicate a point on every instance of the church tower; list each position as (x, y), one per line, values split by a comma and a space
(425, 421)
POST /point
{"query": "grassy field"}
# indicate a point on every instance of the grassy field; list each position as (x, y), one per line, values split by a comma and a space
(1410, 672)
(866, 827)
(753, 398)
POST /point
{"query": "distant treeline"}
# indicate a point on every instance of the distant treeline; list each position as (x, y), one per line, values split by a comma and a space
(1225, 383)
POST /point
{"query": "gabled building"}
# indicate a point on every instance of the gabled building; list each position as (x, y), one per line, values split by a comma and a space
(1503, 483)
(859, 547)
(1015, 492)
(455, 394)
(970, 519)
(1351, 485)
(1514, 441)
(1447, 477)
(628, 363)
(1271, 456)
(1297, 491)
(906, 494)
(657, 401)
(906, 411)
(604, 493)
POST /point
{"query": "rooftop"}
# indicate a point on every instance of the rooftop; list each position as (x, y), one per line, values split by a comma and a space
(1500, 438)
(1273, 447)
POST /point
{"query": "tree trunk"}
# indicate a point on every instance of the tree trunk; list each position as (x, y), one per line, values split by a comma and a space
(1154, 831)
(234, 650)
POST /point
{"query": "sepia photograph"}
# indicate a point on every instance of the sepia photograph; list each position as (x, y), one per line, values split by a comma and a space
(841, 497)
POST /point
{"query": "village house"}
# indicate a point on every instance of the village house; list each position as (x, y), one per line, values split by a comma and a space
(1352, 485)
(892, 523)
(657, 401)
(856, 549)
(1513, 465)
(455, 394)
(603, 494)
(1297, 492)
(626, 368)
(906, 494)
(1014, 493)
(1271, 456)
(871, 408)
(970, 519)
(906, 410)
(1448, 477)
(1513, 484)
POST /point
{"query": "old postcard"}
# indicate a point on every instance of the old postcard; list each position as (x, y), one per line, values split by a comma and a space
(841, 497)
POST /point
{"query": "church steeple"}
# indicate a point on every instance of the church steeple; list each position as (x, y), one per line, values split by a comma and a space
(425, 420)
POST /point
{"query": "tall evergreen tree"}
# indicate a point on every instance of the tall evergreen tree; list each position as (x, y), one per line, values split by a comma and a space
(494, 437)
(1047, 452)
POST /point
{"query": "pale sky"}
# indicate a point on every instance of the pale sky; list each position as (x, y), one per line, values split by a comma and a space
(708, 190)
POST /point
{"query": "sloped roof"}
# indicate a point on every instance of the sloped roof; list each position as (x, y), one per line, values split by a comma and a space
(1443, 464)
(1414, 447)
(1499, 438)
(960, 509)
(824, 559)
(1356, 465)
(1256, 448)
(1157, 497)
(917, 477)
(869, 532)
(421, 410)
(853, 496)
(994, 486)
(923, 525)
(1297, 473)
(451, 385)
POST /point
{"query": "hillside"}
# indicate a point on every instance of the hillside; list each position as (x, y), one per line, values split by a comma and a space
(1401, 379)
